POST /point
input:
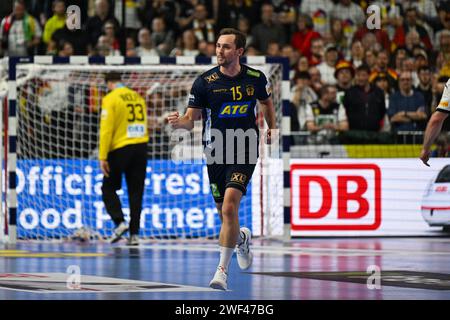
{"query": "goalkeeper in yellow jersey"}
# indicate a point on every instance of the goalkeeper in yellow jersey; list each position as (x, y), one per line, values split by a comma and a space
(123, 150)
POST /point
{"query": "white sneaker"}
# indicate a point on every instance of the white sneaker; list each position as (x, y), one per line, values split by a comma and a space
(119, 231)
(244, 256)
(220, 279)
(134, 240)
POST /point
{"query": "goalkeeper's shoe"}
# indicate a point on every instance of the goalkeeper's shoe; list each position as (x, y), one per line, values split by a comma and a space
(220, 279)
(243, 253)
(134, 240)
(119, 231)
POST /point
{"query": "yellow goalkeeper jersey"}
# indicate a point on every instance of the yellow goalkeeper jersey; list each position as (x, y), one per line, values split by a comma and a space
(123, 120)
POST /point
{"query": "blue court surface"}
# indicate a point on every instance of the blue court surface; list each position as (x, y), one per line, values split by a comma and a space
(301, 269)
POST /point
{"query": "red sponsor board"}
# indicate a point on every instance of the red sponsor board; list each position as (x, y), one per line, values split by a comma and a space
(341, 196)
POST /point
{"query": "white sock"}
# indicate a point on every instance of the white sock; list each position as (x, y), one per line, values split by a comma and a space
(225, 257)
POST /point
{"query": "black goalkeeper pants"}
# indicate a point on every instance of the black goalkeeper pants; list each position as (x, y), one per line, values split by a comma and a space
(130, 160)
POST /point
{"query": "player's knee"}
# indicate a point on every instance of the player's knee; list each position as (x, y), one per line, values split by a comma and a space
(229, 211)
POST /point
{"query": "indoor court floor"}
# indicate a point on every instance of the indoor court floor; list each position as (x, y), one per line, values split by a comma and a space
(302, 269)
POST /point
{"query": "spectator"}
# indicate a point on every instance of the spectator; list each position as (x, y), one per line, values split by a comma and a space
(364, 103)
(243, 25)
(273, 49)
(369, 42)
(327, 67)
(411, 23)
(443, 25)
(425, 88)
(104, 47)
(94, 25)
(325, 117)
(302, 64)
(421, 58)
(320, 11)
(344, 74)
(162, 39)
(267, 31)
(356, 53)
(302, 38)
(237, 10)
(207, 49)
(133, 11)
(20, 33)
(131, 47)
(52, 48)
(57, 21)
(188, 45)
(293, 55)
(382, 65)
(351, 16)
(406, 106)
(302, 95)
(370, 59)
(412, 40)
(317, 52)
(168, 10)
(111, 34)
(203, 29)
(399, 54)
(382, 82)
(145, 47)
(66, 49)
(252, 51)
(316, 79)
(408, 65)
(186, 15)
(286, 15)
(337, 36)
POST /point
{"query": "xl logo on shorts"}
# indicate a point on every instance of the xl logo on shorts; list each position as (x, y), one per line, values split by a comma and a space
(335, 196)
(238, 177)
(234, 109)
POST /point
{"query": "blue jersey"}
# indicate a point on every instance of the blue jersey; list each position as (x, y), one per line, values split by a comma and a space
(228, 102)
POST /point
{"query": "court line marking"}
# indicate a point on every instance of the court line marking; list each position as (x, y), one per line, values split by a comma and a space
(88, 284)
(278, 250)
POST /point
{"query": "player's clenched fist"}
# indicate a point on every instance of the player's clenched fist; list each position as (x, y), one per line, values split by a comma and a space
(173, 119)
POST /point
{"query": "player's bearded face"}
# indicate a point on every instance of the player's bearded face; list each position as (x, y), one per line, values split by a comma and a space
(226, 51)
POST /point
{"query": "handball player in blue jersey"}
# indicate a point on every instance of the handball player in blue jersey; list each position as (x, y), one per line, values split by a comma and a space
(225, 98)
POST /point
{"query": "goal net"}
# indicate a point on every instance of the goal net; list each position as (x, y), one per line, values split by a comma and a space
(59, 179)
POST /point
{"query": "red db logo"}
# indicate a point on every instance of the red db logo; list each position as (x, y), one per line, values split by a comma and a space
(335, 196)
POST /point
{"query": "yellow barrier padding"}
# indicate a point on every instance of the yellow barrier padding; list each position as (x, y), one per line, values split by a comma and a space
(383, 151)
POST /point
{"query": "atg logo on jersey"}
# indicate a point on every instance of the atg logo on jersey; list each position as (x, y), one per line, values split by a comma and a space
(234, 109)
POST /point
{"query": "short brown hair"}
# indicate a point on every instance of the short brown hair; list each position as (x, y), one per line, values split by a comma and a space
(239, 40)
(113, 76)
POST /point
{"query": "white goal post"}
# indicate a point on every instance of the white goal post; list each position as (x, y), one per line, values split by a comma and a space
(53, 178)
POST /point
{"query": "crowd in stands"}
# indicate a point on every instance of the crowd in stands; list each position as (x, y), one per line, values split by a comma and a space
(351, 81)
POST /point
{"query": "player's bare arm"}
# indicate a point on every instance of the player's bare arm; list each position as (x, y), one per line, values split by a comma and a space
(186, 121)
(268, 111)
(432, 131)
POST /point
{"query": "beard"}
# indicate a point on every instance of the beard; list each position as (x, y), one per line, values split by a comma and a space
(223, 62)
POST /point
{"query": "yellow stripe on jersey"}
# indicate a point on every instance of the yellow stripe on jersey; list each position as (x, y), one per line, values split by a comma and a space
(443, 104)
(123, 121)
